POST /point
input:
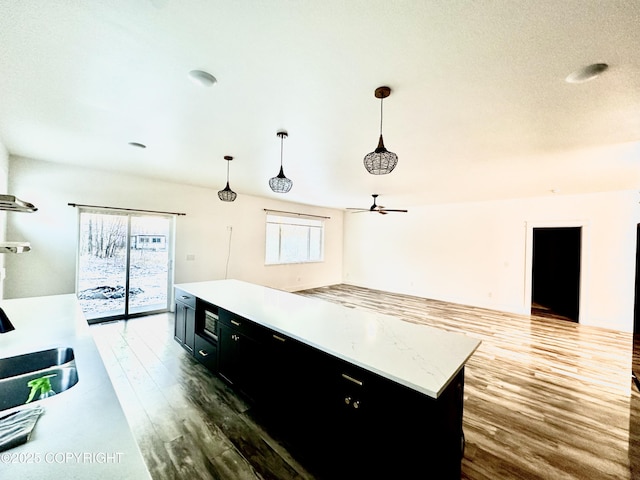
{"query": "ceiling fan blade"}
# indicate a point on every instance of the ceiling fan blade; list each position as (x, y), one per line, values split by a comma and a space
(376, 208)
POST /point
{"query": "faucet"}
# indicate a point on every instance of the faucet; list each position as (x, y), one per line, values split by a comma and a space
(5, 323)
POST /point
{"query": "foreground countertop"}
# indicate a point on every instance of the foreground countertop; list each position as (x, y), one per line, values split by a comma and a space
(83, 432)
(420, 357)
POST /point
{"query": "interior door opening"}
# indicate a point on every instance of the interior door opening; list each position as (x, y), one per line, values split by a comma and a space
(124, 264)
(555, 276)
(635, 361)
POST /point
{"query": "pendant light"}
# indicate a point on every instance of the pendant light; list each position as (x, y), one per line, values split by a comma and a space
(281, 184)
(227, 195)
(381, 161)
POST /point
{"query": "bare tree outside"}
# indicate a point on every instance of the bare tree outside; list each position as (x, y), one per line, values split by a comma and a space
(105, 235)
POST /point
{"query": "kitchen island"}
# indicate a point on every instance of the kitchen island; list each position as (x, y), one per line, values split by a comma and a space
(83, 432)
(372, 394)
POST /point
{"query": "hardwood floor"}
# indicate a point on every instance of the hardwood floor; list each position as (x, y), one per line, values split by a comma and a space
(544, 398)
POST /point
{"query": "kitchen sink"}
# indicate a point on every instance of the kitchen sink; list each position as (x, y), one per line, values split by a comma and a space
(58, 365)
(31, 362)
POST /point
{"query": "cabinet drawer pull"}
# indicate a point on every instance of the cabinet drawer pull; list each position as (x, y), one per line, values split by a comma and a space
(237, 324)
(351, 379)
(277, 337)
(185, 297)
(203, 353)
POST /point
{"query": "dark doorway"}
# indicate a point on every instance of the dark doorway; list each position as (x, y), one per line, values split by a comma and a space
(636, 308)
(635, 363)
(556, 272)
(634, 420)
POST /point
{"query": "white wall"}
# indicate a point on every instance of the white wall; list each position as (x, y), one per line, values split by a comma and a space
(470, 253)
(479, 253)
(50, 267)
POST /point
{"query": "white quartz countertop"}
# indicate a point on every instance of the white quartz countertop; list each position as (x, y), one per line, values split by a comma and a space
(420, 357)
(83, 432)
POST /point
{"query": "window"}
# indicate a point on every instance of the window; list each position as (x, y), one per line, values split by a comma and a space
(294, 239)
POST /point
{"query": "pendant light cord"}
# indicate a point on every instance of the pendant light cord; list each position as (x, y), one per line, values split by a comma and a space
(281, 146)
(381, 100)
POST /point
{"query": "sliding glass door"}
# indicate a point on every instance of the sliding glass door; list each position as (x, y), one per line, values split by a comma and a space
(124, 263)
(149, 262)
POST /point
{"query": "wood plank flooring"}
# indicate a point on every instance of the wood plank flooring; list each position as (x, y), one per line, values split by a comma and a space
(544, 398)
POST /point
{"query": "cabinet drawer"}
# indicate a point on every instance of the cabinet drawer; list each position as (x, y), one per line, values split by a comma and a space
(243, 326)
(206, 353)
(186, 298)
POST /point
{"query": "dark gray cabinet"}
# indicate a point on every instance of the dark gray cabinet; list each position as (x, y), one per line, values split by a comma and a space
(206, 352)
(241, 358)
(341, 417)
(371, 417)
(185, 320)
(195, 328)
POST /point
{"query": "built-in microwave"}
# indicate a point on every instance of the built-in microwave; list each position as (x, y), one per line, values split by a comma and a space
(210, 327)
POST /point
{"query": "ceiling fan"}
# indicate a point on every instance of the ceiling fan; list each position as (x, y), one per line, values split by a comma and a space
(376, 208)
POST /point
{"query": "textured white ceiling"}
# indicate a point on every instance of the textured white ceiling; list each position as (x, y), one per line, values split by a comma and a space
(479, 107)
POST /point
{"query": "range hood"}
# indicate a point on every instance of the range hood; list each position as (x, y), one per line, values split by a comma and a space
(14, 247)
(13, 204)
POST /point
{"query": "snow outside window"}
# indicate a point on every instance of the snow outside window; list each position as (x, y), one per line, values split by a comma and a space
(294, 240)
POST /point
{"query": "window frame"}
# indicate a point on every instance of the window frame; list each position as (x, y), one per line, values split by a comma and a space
(297, 222)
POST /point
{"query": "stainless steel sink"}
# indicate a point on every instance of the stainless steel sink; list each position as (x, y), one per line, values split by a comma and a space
(31, 362)
(58, 365)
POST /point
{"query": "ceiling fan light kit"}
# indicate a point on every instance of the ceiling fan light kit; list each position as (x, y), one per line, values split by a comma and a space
(227, 195)
(377, 208)
(381, 161)
(280, 183)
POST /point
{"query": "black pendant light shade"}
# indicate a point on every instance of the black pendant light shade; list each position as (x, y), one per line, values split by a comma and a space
(227, 195)
(5, 323)
(381, 161)
(280, 183)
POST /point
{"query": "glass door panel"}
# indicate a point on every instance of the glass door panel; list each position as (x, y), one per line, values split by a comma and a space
(148, 263)
(102, 264)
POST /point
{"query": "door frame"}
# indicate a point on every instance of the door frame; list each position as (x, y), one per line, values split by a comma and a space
(636, 287)
(585, 238)
(170, 252)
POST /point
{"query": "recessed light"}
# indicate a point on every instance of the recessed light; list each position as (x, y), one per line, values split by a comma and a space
(202, 78)
(587, 73)
(137, 144)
